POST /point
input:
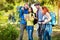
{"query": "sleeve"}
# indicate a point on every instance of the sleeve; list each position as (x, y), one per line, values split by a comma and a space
(49, 18)
(20, 13)
(32, 17)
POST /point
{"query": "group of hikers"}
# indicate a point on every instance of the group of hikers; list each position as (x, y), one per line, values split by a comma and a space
(42, 18)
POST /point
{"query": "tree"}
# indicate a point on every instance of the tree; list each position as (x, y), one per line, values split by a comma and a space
(59, 13)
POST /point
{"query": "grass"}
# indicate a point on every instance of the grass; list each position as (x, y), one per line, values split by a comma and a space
(55, 35)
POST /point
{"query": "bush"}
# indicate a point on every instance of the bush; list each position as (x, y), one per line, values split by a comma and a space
(9, 32)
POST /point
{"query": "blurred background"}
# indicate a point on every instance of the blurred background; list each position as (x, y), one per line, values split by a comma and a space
(9, 7)
(9, 17)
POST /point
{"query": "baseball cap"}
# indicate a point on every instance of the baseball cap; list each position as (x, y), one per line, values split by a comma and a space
(36, 4)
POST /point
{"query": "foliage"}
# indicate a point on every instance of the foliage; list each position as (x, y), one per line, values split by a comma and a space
(1, 7)
(10, 1)
(9, 32)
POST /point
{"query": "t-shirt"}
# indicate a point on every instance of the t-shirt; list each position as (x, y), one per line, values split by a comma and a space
(30, 19)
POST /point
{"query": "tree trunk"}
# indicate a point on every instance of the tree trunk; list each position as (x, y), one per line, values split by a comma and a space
(59, 17)
(59, 13)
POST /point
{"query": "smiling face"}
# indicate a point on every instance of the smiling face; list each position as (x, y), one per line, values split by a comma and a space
(37, 6)
(26, 6)
(29, 10)
(44, 10)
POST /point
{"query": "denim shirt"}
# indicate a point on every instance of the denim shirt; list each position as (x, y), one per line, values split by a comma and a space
(48, 26)
(39, 15)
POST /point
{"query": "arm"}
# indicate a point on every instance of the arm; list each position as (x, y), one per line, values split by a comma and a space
(29, 17)
(47, 20)
(20, 13)
(35, 16)
(32, 17)
(26, 17)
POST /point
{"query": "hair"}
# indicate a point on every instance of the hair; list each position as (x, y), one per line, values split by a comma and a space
(31, 10)
(45, 9)
(26, 4)
(36, 4)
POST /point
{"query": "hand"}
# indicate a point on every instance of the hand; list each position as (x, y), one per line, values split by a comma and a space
(39, 22)
(26, 18)
(43, 22)
(35, 17)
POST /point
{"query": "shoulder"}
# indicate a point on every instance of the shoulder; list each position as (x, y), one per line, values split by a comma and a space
(22, 8)
(47, 13)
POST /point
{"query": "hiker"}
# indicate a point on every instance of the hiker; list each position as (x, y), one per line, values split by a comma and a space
(39, 17)
(47, 22)
(23, 23)
(30, 25)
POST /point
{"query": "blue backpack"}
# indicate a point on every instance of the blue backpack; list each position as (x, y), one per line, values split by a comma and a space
(19, 8)
(53, 18)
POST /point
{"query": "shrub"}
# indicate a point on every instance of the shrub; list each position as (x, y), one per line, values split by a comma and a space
(8, 32)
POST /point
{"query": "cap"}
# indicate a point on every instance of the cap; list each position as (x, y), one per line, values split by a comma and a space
(37, 4)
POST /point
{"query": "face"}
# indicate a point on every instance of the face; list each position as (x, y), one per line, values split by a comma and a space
(29, 10)
(44, 11)
(26, 6)
(37, 6)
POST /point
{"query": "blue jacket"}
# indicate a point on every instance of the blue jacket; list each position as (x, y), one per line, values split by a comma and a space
(21, 15)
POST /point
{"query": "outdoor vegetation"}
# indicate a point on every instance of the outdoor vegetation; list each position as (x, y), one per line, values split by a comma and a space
(10, 30)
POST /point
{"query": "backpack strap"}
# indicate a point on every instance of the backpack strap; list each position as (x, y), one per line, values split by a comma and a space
(37, 14)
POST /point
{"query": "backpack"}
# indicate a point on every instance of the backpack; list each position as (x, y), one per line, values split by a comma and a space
(53, 18)
(35, 20)
(19, 8)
